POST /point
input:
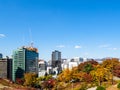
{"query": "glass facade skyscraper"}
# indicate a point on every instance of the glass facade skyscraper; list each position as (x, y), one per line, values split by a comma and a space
(25, 59)
(56, 55)
(56, 60)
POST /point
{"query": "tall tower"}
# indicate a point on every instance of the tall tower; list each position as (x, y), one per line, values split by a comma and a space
(56, 59)
(56, 55)
(25, 59)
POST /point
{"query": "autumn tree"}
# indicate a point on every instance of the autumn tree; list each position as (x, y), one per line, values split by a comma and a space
(81, 66)
(93, 62)
(100, 74)
(44, 78)
(30, 79)
(116, 70)
(110, 63)
(48, 84)
(87, 66)
(87, 78)
(65, 76)
(78, 76)
(20, 81)
(69, 74)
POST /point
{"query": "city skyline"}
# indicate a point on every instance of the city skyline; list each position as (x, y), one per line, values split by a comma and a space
(76, 28)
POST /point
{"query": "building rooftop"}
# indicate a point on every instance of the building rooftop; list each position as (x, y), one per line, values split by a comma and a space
(30, 48)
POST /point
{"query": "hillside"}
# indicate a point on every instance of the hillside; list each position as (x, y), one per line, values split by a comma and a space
(7, 85)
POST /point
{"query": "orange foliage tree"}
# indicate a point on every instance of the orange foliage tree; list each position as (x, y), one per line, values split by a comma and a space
(116, 70)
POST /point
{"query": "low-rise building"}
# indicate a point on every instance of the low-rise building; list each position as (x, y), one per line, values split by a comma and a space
(6, 68)
(70, 63)
(42, 67)
(3, 68)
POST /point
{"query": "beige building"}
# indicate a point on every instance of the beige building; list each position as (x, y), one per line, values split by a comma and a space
(3, 68)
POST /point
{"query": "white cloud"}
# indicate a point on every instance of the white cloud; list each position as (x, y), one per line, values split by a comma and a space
(2, 35)
(113, 48)
(78, 47)
(60, 46)
(107, 46)
(104, 46)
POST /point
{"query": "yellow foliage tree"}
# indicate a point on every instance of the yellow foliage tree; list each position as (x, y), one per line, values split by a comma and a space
(110, 63)
(30, 79)
(100, 74)
(67, 75)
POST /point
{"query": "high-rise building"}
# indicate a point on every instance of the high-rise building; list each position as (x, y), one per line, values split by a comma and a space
(25, 59)
(56, 59)
(56, 55)
(1, 56)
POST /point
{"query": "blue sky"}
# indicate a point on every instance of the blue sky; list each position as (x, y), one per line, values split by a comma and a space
(84, 28)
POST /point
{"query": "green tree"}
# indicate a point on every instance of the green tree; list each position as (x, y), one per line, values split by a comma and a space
(87, 68)
(100, 88)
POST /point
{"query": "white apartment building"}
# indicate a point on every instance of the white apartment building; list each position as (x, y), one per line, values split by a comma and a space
(41, 68)
(70, 63)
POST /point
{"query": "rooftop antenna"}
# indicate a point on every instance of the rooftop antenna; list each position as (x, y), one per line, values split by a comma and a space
(23, 40)
(31, 41)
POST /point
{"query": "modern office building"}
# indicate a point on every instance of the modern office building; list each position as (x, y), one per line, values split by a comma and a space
(25, 59)
(56, 55)
(1, 56)
(56, 60)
